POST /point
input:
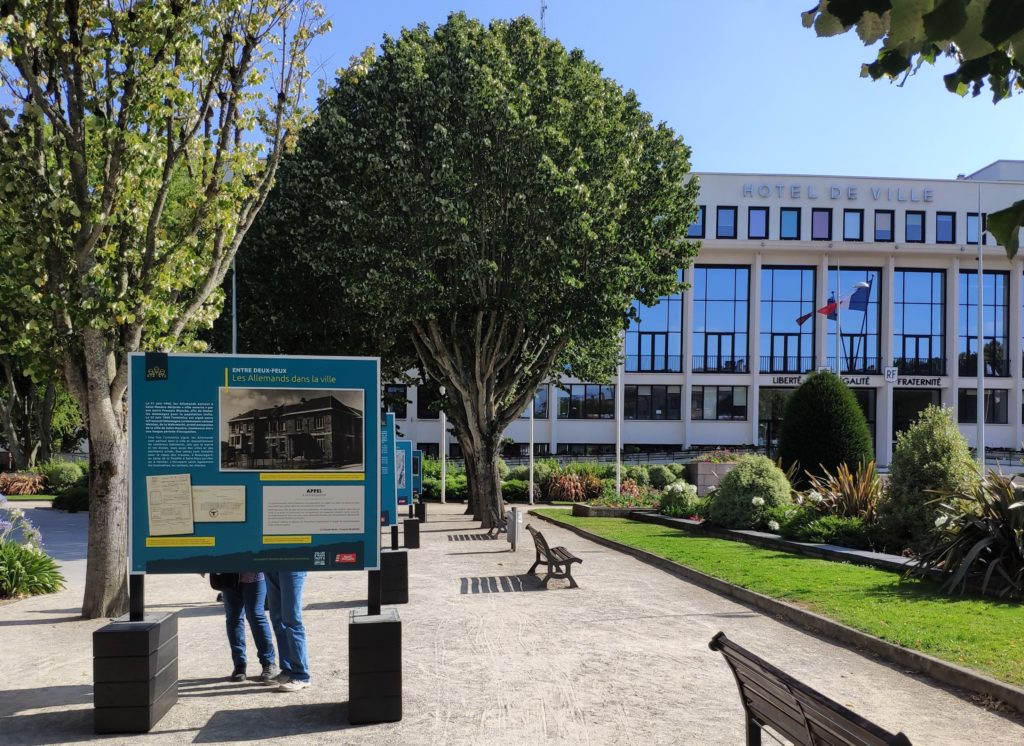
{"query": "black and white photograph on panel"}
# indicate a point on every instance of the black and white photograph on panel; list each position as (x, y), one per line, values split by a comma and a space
(275, 429)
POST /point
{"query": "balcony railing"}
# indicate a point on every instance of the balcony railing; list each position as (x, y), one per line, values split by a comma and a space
(857, 366)
(654, 363)
(786, 364)
(915, 366)
(720, 364)
(968, 366)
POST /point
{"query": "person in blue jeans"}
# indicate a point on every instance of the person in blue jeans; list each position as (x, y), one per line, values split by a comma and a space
(284, 594)
(247, 600)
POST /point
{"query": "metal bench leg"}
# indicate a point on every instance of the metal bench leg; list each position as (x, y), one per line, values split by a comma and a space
(753, 733)
(568, 574)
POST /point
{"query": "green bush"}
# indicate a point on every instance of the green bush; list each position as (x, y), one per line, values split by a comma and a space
(590, 468)
(26, 571)
(60, 475)
(73, 499)
(747, 492)
(502, 468)
(931, 459)
(637, 473)
(678, 469)
(679, 500)
(824, 426)
(638, 498)
(660, 476)
(520, 473)
(83, 466)
(456, 488)
(518, 490)
(843, 531)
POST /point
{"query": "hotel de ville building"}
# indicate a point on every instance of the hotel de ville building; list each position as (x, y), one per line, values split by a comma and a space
(794, 272)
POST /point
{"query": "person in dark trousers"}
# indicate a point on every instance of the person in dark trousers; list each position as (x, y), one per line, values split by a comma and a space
(284, 592)
(246, 600)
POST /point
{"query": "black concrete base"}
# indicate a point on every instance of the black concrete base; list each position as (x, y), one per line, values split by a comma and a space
(421, 511)
(411, 527)
(135, 673)
(394, 576)
(374, 667)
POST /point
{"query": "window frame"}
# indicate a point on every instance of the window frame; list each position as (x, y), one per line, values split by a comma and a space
(702, 216)
(860, 215)
(783, 211)
(828, 211)
(698, 391)
(892, 226)
(735, 221)
(990, 394)
(767, 222)
(924, 226)
(945, 214)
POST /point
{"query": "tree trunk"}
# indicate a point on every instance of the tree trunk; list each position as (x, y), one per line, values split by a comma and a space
(106, 578)
(484, 481)
(44, 420)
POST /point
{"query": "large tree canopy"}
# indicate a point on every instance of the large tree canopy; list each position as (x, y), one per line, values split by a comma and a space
(138, 141)
(476, 202)
(982, 36)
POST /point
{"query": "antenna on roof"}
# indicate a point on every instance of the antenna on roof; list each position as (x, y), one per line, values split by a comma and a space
(543, 14)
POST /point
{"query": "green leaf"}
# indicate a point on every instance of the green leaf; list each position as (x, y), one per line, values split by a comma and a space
(1003, 19)
(946, 20)
(1005, 226)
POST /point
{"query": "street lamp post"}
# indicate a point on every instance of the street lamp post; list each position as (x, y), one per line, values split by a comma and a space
(444, 447)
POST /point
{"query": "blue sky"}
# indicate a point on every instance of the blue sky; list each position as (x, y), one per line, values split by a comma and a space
(743, 82)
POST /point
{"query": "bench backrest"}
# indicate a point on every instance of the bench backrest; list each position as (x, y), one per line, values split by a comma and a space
(802, 715)
(539, 540)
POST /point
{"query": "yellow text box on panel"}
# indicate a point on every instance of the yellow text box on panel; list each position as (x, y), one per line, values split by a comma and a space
(311, 476)
(181, 541)
(287, 539)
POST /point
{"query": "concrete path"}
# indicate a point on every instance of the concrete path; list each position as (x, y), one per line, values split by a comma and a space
(489, 659)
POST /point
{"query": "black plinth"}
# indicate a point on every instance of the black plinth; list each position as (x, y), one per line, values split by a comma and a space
(411, 527)
(421, 511)
(374, 667)
(135, 673)
(394, 576)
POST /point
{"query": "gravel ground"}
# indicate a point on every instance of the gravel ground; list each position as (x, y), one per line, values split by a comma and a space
(488, 658)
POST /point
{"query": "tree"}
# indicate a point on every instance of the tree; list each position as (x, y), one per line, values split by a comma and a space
(982, 36)
(477, 203)
(38, 417)
(824, 426)
(138, 141)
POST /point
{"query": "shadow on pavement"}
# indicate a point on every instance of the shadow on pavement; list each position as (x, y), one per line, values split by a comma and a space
(38, 728)
(265, 722)
(499, 584)
(27, 622)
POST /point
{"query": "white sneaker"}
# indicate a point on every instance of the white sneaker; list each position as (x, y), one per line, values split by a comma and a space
(292, 685)
(281, 678)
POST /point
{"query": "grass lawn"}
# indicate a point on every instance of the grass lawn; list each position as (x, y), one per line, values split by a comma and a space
(28, 498)
(985, 635)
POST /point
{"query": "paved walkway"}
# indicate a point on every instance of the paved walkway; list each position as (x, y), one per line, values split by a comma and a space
(489, 659)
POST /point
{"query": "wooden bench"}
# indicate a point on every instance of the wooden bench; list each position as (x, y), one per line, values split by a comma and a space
(776, 700)
(555, 558)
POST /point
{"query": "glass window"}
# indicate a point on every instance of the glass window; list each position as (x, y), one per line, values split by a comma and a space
(853, 225)
(726, 225)
(720, 319)
(918, 324)
(789, 224)
(653, 402)
(821, 224)
(427, 401)
(654, 336)
(757, 222)
(945, 227)
(787, 326)
(696, 229)
(996, 316)
(914, 227)
(859, 320)
(972, 228)
(395, 400)
(884, 220)
(718, 403)
(540, 405)
(586, 401)
(996, 406)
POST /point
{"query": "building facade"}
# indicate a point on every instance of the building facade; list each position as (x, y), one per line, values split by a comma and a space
(713, 365)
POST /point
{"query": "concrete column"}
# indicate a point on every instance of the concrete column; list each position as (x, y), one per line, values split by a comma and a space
(754, 342)
(687, 351)
(949, 395)
(883, 433)
(821, 322)
(553, 417)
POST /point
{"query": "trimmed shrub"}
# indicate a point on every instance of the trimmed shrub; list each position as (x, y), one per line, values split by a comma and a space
(519, 473)
(631, 496)
(518, 490)
(660, 476)
(720, 456)
(26, 571)
(678, 469)
(60, 475)
(932, 458)
(73, 499)
(679, 500)
(747, 492)
(502, 468)
(637, 473)
(456, 488)
(590, 468)
(823, 426)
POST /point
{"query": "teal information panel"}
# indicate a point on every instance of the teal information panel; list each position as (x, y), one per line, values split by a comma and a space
(417, 472)
(403, 470)
(248, 462)
(388, 486)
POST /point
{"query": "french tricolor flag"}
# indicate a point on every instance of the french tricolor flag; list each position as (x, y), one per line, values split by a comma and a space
(855, 300)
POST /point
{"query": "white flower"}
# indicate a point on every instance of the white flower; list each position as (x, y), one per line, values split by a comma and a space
(773, 526)
(814, 496)
(757, 502)
(941, 521)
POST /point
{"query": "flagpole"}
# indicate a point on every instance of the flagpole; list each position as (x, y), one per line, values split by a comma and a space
(839, 310)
